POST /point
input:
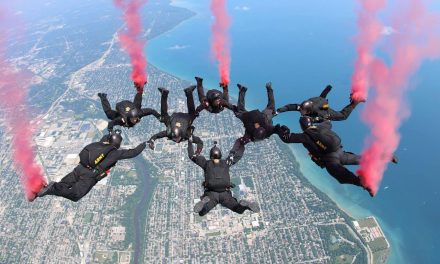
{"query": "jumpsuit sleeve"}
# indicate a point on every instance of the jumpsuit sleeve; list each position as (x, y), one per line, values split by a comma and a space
(149, 111)
(341, 115)
(161, 134)
(199, 143)
(288, 108)
(295, 138)
(131, 153)
(197, 159)
(115, 122)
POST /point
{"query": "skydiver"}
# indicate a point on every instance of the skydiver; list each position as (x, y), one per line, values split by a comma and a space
(318, 108)
(217, 183)
(179, 125)
(127, 113)
(214, 101)
(325, 149)
(258, 125)
(96, 159)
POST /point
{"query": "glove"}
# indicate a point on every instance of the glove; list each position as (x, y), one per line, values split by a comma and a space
(151, 144)
(102, 95)
(269, 85)
(354, 101)
(230, 160)
(198, 151)
(138, 85)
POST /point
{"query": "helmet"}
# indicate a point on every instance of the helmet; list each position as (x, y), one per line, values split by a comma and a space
(214, 97)
(115, 138)
(133, 116)
(177, 134)
(215, 152)
(306, 107)
(305, 122)
(260, 133)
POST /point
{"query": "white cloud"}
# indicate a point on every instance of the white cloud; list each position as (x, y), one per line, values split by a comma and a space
(242, 8)
(388, 31)
(178, 47)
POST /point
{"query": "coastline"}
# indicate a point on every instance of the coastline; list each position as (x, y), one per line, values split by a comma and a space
(310, 172)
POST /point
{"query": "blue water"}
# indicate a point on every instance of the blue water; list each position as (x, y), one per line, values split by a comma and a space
(302, 46)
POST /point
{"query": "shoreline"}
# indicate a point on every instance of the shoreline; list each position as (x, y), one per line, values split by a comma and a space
(347, 206)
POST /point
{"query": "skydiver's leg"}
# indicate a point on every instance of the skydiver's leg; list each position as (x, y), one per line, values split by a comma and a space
(230, 202)
(200, 90)
(138, 100)
(164, 103)
(73, 191)
(190, 100)
(109, 112)
(270, 99)
(241, 105)
(342, 174)
(213, 201)
(349, 158)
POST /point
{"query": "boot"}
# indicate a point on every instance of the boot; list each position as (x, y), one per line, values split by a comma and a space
(46, 190)
(253, 206)
(190, 89)
(200, 205)
(163, 90)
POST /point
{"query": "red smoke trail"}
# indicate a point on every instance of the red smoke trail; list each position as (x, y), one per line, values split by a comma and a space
(13, 91)
(369, 33)
(417, 39)
(130, 39)
(220, 44)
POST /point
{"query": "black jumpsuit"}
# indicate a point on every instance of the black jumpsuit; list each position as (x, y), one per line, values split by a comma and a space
(224, 100)
(250, 118)
(182, 120)
(81, 180)
(318, 110)
(334, 162)
(217, 183)
(118, 117)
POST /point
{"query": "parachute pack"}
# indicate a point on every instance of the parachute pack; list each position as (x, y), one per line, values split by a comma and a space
(327, 140)
(92, 154)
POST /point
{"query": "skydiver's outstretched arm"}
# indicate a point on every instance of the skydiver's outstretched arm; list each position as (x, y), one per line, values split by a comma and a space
(115, 122)
(341, 115)
(294, 138)
(197, 159)
(161, 134)
(149, 111)
(289, 107)
(131, 153)
(109, 112)
(199, 144)
(238, 149)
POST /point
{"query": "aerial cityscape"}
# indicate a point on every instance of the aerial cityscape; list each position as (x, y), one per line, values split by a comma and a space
(142, 211)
